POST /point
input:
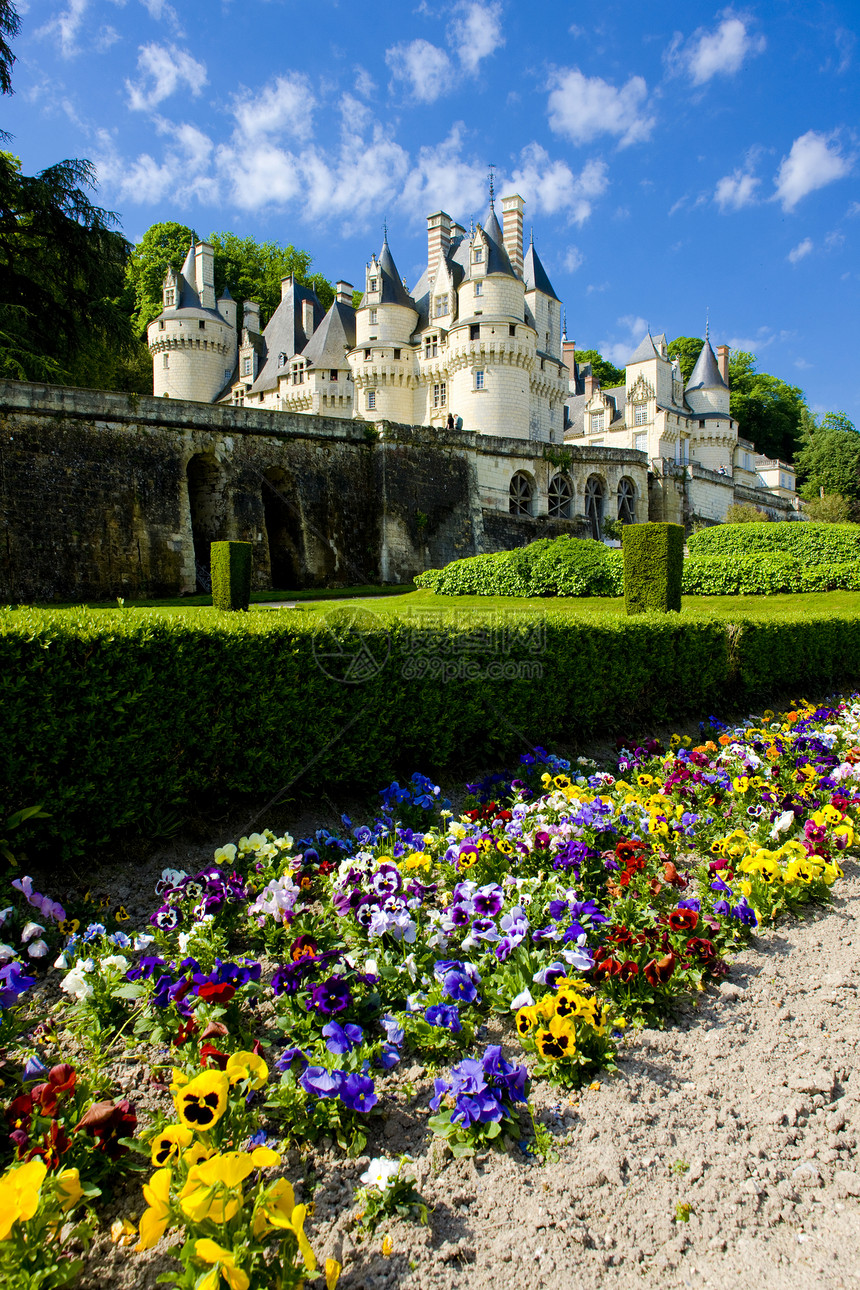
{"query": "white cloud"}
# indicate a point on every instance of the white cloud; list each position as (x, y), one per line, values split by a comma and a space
(736, 190)
(715, 53)
(441, 178)
(619, 351)
(752, 344)
(803, 364)
(161, 72)
(162, 11)
(582, 107)
(66, 26)
(853, 209)
(573, 259)
(286, 106)
(552, 187)
(800, 252)
(815, 160)
(365, 85)
(185, 169)
(425, 69)
(477, 33)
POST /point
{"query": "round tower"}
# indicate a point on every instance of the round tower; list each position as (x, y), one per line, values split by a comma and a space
(193, 340)
(382, 361)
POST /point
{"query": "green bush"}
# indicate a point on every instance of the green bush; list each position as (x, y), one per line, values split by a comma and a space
(231, 575)
(119, 721)
(807, 542)
(563, 566)
(653, 567)
(766, 574)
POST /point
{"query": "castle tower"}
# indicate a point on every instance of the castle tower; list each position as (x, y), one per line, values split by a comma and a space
(382, 361)
(713, 435)
(193, 340)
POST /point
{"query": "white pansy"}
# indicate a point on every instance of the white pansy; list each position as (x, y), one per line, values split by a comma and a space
(75, 982)
(114, 961)
(225, 855)
(31, 929)
(523, 1000)
(37, 949)
(380, 1173)
(4, 914)
(785, 821)
(6, 953)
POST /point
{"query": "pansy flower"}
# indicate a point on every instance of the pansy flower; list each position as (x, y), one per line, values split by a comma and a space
(172, 1139)
(248, 1067)
(156, 1217)
(201, 1102)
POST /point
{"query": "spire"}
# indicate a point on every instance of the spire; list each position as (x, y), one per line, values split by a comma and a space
(564, 327)
(706, 374)
(187, 269)
(707, 326)
(392, 291)
(492, 187)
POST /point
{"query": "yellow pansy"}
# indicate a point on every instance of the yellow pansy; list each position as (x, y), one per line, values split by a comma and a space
(201, 1102)
(247, 1066)
(172, 1139)
(155, 1219)
(123, 1232)
(69, 1189)
(332, 1273)
(277, 1208)
(225, 1264)
(19, 1194)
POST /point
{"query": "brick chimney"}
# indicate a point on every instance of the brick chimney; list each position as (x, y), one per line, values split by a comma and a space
(723, 362)
(204, 272)
(438, 240)
(512, 230)
(286, 286)
(568, 353)
(343, 293)
(251, 316)
(589, 382)
(308, 318)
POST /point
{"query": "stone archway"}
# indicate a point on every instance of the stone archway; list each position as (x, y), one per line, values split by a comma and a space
(283, 531)
(208, 502)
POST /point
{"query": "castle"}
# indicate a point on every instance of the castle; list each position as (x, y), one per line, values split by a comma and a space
(476, 346)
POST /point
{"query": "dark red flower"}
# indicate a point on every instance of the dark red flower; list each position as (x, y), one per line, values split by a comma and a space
(703, 949)
(658, 971)
(627, 851)
(670, 874)
(627, 971)
(303, 947)
(609, 967)
(620, 936)
(212, 1056)
(19, 1111)
(683, 920)
(108, 1122)
(186, 1030)
(216, 992)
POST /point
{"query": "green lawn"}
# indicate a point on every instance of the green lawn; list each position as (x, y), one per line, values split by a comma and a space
(402, 601)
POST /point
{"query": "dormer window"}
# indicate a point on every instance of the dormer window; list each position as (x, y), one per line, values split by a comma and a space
(640, 414)
(169, 297)
(282, 359)
(246, 365)
(373, 284)
(333, 375)
(478, 255)
(431, 347)
(441, 306)
(598, 422)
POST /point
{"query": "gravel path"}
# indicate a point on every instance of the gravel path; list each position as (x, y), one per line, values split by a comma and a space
(747, 1110)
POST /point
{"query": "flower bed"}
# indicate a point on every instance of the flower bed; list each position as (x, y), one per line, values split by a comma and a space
(274, 995)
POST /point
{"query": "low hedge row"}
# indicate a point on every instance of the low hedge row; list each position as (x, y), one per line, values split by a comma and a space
(563, 566)
(766, 574)
(122, 721)
(807, 542)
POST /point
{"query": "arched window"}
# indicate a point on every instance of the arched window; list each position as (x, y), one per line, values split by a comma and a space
(626, 502)
(521, 495)
(594, 502)
(560, 497)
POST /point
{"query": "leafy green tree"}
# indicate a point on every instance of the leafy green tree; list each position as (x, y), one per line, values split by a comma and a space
(745, 513)
(686, 349)
(829, 457)
(162, 246)
(62, 267)
(10, 25)
(767, 409)
(253, 271)
(607, 374)
(832, 508)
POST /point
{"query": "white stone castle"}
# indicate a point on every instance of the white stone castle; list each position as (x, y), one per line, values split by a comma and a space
(476, 345)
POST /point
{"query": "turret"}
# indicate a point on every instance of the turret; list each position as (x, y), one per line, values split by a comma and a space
(384, 324)
(193, 341)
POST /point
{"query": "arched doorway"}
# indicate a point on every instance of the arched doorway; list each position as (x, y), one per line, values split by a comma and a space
(207, 498)
(283, 531)
(560, 497)
(521, 495)
(595, 499)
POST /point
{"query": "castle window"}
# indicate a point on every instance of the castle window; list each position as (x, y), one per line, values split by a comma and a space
(396, 355)
(367, 353)
(479, 379)
(560, 495)
(169, 297)
(282, 359)
(520, 495)
(370, 401)
(547, 340)
(201, 323)
(246, 365)
(598, 422)
(627, 502)
(475, 331)
(640, 442)
(640, 414)
(479, 288)
(372, 284)
(161, 325)
(166, 362)
(373, 317)
(440, 394)
(431, 347)
(441, 307)
(333, 374)
(478, 255)
(512, 331)
(594, 503)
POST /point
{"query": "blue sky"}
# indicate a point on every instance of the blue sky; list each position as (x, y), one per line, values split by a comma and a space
(675, 159)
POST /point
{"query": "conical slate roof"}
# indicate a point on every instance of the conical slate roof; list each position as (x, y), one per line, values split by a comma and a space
(498, 260)
(393, 291)
(534, 274)
(706, 374)
(334, 337)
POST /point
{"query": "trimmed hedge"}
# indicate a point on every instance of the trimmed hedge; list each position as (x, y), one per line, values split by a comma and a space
(122, 721)
(805, 541)
(563, 566)
(231, 575)
(653, 567)
(766, 574)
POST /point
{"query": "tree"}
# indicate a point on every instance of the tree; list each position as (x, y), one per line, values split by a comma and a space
(162, 246)
(10, 25)
(745, 513)
(608, 376)
(767, 409)
(832, 508)
(253, 271)
(686, 349)
(829, 457)
(62, 269)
